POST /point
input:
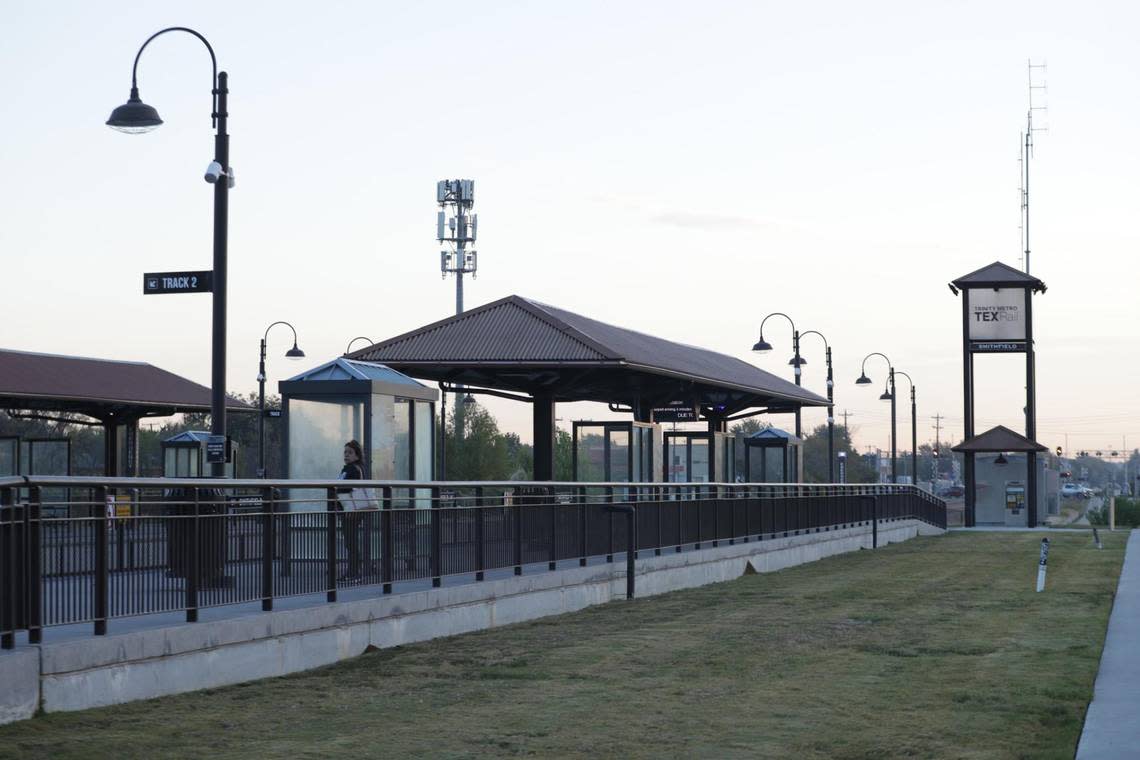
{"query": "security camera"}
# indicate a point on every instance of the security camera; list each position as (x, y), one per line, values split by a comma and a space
(214, 172)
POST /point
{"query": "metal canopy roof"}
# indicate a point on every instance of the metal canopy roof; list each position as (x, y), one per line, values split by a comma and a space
(516, 344)
(346, 375)
(998, 439)
(998, 275)
(99, 388)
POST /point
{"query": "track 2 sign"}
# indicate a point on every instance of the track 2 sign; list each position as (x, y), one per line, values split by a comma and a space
(155, 283)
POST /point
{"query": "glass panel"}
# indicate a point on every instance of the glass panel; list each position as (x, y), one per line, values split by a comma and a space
(383, 454)
(424, 467)
(318, 431)
(401, 439)
(591, 454)
(700, 449)
(619, 456)
(192, 462)
(24, 457)
(637, 448)
(50, 458)
(676, 452)
(425, 432)
(168, 462)
(8, 450)
(755, 459)
(774, 465)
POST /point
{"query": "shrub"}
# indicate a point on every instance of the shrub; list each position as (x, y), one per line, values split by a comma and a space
(1127, 514)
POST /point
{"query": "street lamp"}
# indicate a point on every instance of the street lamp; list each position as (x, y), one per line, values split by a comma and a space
(294, 354)
(762, 347)
(888, 395)
(830, 407)
(913, 430)
(348, 348)
(136, 117)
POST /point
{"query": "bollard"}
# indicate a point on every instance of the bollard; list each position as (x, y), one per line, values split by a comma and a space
(1041, 565)
(1111, 513)
(1096, 538)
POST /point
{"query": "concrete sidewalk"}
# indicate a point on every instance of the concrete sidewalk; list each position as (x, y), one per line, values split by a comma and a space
(1112, 726)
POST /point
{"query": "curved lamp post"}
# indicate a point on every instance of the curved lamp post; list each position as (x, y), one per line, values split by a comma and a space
(830, 406)
(348, 348)
(913, 430)
(762, 347)
(293, 353)
(888, 395)
(136, 117)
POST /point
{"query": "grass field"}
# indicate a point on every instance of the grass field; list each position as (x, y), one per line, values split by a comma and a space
(937, 647)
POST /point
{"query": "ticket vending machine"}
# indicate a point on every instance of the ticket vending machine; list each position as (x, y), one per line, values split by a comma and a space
(1015, 503)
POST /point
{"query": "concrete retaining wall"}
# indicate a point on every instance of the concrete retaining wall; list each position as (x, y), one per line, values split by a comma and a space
(106, 670)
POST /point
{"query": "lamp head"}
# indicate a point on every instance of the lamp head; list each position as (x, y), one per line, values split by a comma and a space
(794, 363)
(762, 346)
(1001, 461)
(134, 117)
(294, 352)
(468, 399)
(886, 396)
(863, 380)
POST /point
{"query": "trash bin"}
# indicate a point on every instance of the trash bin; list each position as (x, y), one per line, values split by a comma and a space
(211, 532)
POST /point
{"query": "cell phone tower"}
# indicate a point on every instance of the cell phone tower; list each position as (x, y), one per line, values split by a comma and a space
(456, 226)
(1026, 148)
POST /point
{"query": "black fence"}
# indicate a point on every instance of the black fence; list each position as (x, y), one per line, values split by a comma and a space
(82, 550)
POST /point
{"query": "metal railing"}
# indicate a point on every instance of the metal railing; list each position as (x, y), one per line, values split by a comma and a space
(87, 550)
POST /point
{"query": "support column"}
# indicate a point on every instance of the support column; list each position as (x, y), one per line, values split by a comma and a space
(110, 448)
(1031, 489)
(544, 433)
(131, 430)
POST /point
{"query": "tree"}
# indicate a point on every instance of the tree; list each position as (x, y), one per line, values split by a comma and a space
(483, 453)
(749, 426)
(815, 458)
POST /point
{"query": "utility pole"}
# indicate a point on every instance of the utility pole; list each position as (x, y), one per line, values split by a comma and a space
(937, 444)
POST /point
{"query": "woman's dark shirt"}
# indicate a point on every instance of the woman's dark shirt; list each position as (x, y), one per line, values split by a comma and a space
(350, 472)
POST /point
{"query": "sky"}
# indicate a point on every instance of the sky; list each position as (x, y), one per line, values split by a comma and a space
(678, 168)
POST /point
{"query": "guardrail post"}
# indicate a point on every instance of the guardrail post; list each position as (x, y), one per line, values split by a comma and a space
(192, 577)
(680, 520)
(630, 511)
(610, 545)
(874, 521)
(716, 515)
(330, 543)
(7, 570)
(518, 532)
(101, 579)
(658, 508)
(580, 492)
(35, 586)
(436, 538)
(387, 543)
(267, 504)
(553, 564)
(479, 540)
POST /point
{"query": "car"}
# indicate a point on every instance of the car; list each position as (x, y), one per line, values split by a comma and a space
(953, 492)
(1074, 491)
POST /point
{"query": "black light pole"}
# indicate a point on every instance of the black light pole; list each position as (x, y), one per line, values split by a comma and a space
(348, 348)
(913, 430)
(292, 353)
(830, 408)
(762, 347)
(137, 117)
(888, 395)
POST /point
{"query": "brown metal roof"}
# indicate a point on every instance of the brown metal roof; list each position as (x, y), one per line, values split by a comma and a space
(98, 387)
(999, 439)
(999, 275)
(519, 344)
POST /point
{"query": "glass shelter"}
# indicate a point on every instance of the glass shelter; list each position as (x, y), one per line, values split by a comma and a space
(616, 452)
(184, 456)
(391, 415)
(773, 456)
(700, 457)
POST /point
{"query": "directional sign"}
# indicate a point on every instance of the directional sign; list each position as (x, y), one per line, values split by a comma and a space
(178, 282)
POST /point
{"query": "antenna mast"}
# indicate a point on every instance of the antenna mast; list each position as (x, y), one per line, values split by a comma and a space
(456, 226)
(1026, 147)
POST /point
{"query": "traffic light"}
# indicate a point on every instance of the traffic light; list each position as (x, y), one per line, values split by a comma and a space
(1058, 451)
